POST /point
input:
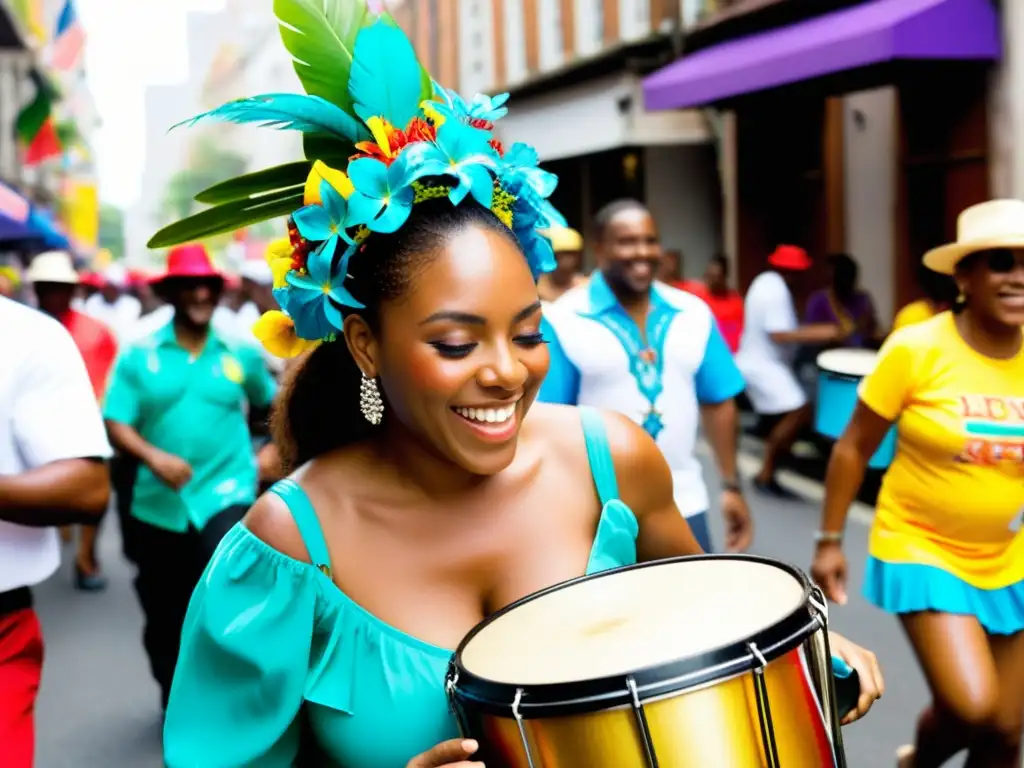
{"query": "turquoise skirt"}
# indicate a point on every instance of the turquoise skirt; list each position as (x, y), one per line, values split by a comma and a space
(909, 588)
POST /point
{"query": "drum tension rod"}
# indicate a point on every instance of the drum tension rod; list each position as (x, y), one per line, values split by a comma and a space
(641, 721)
(764, 710)
(522, 727)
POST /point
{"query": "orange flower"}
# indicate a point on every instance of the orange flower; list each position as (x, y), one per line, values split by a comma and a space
(417, 130)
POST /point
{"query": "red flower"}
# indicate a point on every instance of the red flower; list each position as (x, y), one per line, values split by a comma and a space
(477, 122)
(498, 147)
(300, 254)
(417, 130)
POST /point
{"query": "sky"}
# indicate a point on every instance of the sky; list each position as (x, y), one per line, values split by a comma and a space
(131, 45)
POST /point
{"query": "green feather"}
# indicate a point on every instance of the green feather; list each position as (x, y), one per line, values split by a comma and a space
(334, 152)
(228, 217)
(256, 183)
(321, 35)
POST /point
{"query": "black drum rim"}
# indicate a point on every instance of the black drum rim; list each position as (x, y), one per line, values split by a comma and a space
(839, 376)
(577, 697)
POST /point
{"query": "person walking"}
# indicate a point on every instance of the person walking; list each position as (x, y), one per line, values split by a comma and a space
(52, 452)
(54, 281)
(946, 554)
(655, 354)
(177, 403)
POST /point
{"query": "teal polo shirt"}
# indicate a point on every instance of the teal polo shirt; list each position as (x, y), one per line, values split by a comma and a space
(194, 408)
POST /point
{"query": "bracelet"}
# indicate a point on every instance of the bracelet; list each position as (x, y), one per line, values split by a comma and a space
(828, 537)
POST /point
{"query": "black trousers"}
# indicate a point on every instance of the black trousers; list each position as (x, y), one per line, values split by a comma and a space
(123, 470)
(169, 567)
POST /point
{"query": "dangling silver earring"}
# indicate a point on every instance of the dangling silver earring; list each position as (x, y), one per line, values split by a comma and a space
(369, 401)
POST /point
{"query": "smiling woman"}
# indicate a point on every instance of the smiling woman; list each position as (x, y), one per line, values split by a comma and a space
(429, 303)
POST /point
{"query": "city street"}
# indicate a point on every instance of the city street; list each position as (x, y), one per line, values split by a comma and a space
(99, 707)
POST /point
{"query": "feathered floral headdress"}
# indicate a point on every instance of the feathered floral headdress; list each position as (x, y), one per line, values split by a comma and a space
(372, 110)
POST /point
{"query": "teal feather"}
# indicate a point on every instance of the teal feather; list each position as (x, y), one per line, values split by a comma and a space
(386, 80)
(288, 111)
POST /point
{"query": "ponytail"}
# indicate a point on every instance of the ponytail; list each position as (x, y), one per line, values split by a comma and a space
(317, 409)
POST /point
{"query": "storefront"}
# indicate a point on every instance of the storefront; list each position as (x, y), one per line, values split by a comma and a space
(863, 129)
(603, 145)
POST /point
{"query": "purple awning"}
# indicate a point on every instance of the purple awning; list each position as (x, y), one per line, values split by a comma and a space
(872, 33)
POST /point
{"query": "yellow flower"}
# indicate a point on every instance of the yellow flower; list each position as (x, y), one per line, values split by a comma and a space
(279, 257)
(382, 132)
(323, 172)
(432, 113)
(276, 333)
(278, 249)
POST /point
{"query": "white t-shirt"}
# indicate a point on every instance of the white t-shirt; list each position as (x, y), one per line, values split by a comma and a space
(48, 413)
(697, 369)
(120, 317)
(767, 366)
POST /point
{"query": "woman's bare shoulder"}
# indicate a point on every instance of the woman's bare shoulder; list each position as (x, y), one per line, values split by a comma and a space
(271, 520)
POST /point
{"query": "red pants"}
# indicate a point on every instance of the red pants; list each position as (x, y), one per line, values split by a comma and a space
(21, 666)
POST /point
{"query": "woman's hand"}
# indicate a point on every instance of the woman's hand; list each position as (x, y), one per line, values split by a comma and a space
(872, 686)
(829, 571)
(453, 753)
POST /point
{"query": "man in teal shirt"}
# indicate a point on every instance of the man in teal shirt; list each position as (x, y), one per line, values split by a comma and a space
(178, 402)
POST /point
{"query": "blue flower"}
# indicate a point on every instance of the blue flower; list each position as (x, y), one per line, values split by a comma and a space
(482, 107)
(383, 196)
(325, 222)
(520, 163)
(310, 298)
(461, 152)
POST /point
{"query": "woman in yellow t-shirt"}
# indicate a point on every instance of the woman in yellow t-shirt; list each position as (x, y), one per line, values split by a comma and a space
(945, 552)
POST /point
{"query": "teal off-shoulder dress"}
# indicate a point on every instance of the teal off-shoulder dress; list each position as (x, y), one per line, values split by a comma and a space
(267, 637)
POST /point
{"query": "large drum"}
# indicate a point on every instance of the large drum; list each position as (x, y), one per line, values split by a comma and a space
(840, 372)
(686, 663)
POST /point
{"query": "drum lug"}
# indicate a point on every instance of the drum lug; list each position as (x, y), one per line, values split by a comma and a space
(641, 721)
(522, 727)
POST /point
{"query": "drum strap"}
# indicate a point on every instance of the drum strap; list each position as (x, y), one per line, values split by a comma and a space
(600, 454)
(301, 507)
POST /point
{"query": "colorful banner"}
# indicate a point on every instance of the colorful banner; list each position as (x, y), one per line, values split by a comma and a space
(82, 215)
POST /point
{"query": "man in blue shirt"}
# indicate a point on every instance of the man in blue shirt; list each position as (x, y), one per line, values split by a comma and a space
(178, 404)
(654, 353)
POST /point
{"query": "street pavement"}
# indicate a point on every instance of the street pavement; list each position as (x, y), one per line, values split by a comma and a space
(99, 707)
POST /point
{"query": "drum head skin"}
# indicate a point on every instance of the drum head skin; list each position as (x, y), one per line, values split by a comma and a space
(631, 619)
(848, 362)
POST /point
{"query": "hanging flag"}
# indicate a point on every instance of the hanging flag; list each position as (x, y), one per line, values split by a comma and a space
(69, 39)
(13, 205)
(35, 126)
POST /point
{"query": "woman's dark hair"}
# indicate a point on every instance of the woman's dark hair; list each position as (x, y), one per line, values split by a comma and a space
(317, 409)
(939, 288)
(844, 275)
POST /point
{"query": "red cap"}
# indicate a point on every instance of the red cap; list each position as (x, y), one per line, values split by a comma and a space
(91, 279)
(791, 257)
(189, 260)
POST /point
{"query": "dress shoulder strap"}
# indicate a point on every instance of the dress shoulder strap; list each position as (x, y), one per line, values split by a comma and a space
(600, 454)
(301, 507)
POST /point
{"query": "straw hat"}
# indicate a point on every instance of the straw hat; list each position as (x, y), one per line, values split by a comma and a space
(52, 267)
(995, 224)
(564, 239)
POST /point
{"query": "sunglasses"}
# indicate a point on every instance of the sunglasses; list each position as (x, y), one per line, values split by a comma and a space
(998, 260)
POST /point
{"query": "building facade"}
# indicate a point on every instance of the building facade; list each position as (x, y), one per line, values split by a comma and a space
(574, 70)
(858, 126)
